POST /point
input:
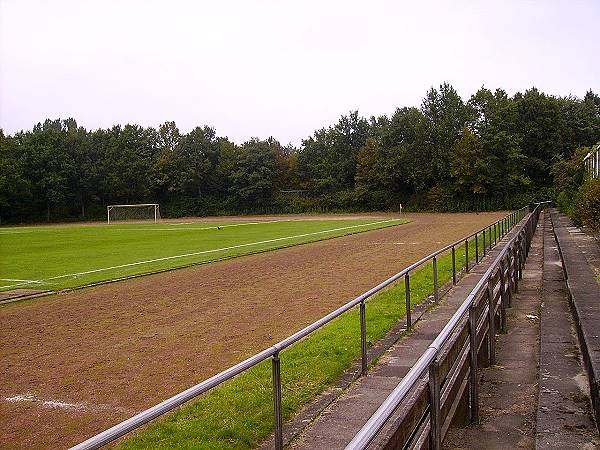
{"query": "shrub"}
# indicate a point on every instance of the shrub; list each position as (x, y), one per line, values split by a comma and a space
(588, 204)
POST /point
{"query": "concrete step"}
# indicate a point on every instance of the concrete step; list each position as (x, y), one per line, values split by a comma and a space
(536, 395)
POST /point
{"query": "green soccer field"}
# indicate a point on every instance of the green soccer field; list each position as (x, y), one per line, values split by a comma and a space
(58, 257)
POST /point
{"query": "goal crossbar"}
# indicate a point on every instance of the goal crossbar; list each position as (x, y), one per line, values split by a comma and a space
(152, 212)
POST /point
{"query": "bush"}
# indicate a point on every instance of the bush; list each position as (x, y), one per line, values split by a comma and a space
(588, 204)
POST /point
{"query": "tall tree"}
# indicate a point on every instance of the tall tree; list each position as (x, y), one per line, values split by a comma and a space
(446, 114)
(189, 167)
(15, 188)
(327, 160)
(254, 177)
(474, 170)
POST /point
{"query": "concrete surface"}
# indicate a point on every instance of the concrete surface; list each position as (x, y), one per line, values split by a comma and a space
(564, 419)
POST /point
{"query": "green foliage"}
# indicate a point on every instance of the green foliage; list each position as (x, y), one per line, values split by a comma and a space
(472, 168)
(254, 177)
(480, 154)
(327, 160)
(588, 204)
(577, 197)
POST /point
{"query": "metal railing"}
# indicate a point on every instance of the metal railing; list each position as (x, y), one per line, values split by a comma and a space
(494, 232)
(592, 163)
(425, 401)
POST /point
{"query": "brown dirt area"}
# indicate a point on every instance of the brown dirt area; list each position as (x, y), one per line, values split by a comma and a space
(18, 293)
(75, 363)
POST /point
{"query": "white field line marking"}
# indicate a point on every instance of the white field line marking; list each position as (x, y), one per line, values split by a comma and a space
(166, 258)
(16, 279)
(200, 229)
(21, 283)
(57, 404)
(116, 226)
(15, 231)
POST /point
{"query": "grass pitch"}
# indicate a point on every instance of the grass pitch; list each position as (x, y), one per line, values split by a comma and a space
(58, 257)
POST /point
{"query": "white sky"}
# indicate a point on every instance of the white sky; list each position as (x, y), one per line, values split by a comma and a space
(280, 68)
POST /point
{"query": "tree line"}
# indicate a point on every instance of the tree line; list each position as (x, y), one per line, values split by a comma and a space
(489, 152)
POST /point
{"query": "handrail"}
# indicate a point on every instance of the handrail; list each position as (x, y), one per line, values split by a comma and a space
(500, 227)
(378, 420)
(591, 162)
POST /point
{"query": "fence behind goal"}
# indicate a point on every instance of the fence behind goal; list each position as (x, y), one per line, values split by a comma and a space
(142, 211)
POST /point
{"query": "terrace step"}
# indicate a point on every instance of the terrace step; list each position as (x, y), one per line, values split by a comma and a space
(564, 417)
(535, 396)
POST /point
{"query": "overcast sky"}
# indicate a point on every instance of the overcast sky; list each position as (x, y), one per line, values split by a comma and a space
(278, 68)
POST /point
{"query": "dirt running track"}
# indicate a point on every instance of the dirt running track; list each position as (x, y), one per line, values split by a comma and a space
(76, 363)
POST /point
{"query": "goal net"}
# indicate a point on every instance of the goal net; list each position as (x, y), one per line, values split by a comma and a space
(143, 211)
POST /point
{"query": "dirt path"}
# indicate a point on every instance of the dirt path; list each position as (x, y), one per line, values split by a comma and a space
(74, 364)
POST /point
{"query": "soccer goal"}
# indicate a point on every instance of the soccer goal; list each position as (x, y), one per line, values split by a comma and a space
(142, 211)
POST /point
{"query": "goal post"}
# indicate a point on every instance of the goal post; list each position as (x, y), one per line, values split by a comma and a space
(141, 211)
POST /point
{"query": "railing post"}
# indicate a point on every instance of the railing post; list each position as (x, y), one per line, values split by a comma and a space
(509, 289)
(434, 406)
(407, 295)
(473, 378)
(521, 257)
(502, 298)
(483, 242)
(531, 229)
(436, 293)
(467, 255)
(276, 365)
(496, 228)
(363, 336)
(490, 236)
(453, 265)
(476, 249)
(515, 267)
(492, 325)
